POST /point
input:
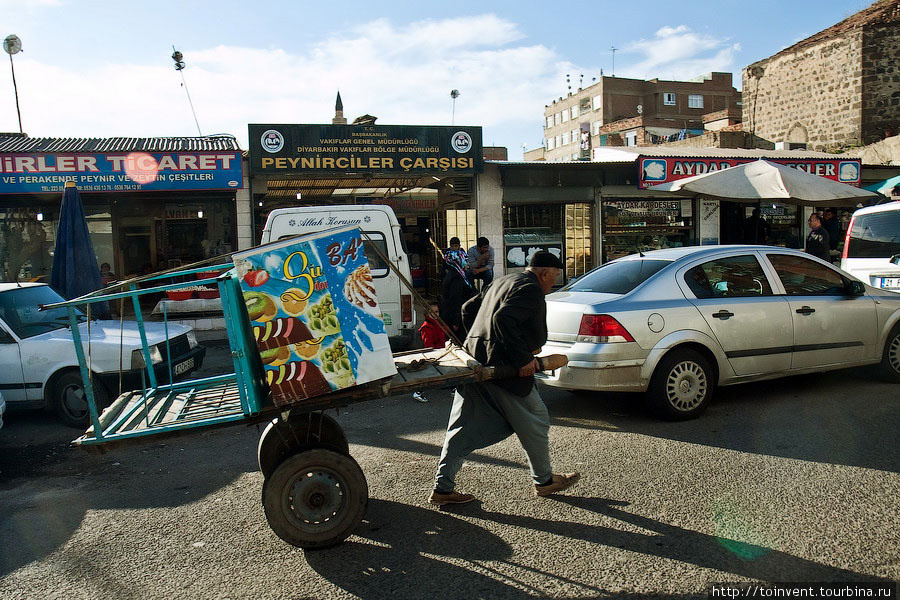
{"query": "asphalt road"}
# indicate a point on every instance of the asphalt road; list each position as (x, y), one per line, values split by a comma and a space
(789, 480)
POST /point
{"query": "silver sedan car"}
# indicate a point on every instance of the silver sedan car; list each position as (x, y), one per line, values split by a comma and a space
(677, 323)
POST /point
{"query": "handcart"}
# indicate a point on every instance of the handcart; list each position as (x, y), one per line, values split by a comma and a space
(314, 493)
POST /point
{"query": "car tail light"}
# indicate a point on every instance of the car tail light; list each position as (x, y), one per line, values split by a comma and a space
(406, 308)
(847, 238)
(602, 329)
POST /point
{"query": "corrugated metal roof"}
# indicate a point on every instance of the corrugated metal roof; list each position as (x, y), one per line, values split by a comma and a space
(19, 143)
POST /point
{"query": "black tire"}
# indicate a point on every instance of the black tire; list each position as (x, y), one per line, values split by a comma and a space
(681, 386)
(316, 498)
(889, 369)
(281, 439)
(70, 403)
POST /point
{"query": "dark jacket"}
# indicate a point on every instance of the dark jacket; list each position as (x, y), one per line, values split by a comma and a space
(455, 290)
(817, 243)
(507, 323)
(833, 227)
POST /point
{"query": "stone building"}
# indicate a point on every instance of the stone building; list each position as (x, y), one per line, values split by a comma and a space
(617, 111)
(836, 89)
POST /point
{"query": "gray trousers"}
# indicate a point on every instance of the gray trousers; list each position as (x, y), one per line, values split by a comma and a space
(484, 414)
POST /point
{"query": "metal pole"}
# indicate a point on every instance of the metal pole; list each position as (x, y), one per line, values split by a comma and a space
(16, 90)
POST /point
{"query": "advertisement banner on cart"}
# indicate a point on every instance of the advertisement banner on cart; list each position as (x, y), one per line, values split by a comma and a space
(314, 314)
(120, 171)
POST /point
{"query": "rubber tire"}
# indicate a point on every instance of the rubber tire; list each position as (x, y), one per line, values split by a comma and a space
(68, 395)
(281, 439)
(328, 477)
(889, 368)
(699, 374)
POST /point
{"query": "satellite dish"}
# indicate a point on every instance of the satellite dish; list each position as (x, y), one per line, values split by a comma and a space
(12, 44)
(640, 109)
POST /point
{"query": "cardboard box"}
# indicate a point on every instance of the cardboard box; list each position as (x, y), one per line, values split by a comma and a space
(314, 314)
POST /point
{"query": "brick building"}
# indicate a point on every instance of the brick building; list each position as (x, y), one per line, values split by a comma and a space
(616, 111)
(835, 89)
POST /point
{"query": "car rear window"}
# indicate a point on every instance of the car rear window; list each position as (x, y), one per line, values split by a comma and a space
(876, 235)
(619, 277)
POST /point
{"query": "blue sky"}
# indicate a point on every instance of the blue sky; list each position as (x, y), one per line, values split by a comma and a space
(103, 69)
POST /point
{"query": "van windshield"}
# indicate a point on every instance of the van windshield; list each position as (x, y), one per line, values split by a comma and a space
(876, 235)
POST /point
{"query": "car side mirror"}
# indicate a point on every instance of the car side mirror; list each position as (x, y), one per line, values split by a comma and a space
(856, 288)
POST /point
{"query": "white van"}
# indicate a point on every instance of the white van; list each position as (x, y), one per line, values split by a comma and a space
(383, 230)
(872, 246)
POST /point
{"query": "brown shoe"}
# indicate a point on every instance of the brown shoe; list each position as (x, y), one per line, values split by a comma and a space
(451, 498)
(559, 483)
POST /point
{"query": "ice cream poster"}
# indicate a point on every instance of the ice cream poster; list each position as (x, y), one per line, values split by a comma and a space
(314, 314)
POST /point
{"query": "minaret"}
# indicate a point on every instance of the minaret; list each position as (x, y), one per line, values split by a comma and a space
(338, 112)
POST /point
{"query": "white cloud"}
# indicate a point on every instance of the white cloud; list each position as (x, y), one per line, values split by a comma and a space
(403, 74)
(680, 53)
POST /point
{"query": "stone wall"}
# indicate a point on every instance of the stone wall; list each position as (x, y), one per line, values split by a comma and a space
(721, 139)
(881, 82)
(813, 94)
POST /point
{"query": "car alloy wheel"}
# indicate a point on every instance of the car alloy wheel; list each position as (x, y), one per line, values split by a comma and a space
(686, 386)
(682, 385)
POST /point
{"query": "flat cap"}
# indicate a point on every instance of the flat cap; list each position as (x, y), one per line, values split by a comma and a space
(542, 258)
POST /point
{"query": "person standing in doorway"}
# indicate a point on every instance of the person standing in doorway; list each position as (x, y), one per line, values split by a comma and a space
(481, 261)
(833, 226)
(507, 326)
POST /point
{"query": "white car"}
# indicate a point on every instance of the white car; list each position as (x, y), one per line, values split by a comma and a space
(39, 366)
(872, 247)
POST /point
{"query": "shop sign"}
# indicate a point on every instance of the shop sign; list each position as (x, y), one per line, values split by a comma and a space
(656, 170)
(646, 207)
(120, 172)
(342, 149)
(402, 204)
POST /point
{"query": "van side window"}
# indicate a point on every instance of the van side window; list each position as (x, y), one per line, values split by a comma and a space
(875, 235)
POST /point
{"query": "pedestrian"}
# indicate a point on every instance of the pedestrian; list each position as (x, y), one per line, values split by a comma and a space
(455, 290)
(431, 333)
(481, 261)
(456, 249)
(833, 226)
(507, 326)
(756, 228)
(817, 242)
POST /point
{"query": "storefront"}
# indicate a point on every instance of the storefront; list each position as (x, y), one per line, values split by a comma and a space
(150, 204)
(424, 173)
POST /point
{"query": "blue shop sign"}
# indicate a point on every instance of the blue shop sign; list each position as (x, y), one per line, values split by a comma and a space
(120, 171)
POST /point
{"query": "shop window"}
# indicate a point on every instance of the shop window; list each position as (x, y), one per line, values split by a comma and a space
(579, 258)
(461, 223)
(668, 99)
(633, 225)
(695, 101)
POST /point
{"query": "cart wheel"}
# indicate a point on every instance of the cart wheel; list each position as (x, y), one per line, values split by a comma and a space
(316, 498)
(281, 439)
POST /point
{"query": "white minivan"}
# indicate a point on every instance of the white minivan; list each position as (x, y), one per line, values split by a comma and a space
(872, 246)
(382, 230)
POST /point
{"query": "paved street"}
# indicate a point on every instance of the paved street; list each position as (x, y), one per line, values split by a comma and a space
(790, 480)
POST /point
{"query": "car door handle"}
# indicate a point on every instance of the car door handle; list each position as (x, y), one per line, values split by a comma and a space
(805, 310)
(723, 314)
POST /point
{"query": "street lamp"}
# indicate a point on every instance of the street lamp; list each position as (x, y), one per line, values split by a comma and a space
(13, 45)
(453, 94)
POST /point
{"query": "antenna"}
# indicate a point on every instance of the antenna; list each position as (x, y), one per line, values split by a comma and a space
(13, 45)
(613, 48)
(179, 66)
(454, 94)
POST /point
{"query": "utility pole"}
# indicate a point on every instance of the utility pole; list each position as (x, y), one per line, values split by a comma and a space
(613, 48)
(12, 45)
